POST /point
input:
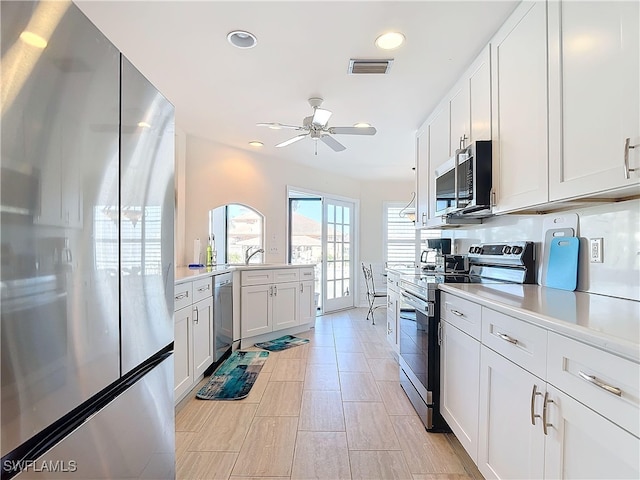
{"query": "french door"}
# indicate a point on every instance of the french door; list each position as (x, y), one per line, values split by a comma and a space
(337, 265)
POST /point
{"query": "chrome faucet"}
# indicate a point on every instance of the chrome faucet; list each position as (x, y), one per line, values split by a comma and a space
(248, 257)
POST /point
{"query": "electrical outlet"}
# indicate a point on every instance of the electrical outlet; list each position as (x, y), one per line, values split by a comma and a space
(595, 250)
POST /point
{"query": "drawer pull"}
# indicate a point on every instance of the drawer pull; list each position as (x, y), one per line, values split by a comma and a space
(182, 295)
(202, 289)
(545, 404)
(457, 313)
(598, 383)
(534, 394)
(506, 338)
(196, 316)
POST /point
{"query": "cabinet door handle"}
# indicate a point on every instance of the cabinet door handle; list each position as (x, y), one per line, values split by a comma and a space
(275, 290)
(301, 288)
(205, 288)
(271, 291)
(545, 404)
(424, 218)
(182, 295)
(195, 315)
(592, 379)
(506, 338)
(534, 394)
(457, 313)
(440, 333)
(627, 146)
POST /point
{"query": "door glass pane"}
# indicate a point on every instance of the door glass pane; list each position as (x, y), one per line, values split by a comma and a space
(338, 233)
(331, 215)
(345, 218)
(345, 251)
(331, 271)
(339, 214)
(330, 288)
(339, 292)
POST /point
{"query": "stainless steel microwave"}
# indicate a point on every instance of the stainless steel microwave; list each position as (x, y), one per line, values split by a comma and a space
(463, 183)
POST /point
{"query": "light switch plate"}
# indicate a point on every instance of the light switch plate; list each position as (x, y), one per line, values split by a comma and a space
(595, 250)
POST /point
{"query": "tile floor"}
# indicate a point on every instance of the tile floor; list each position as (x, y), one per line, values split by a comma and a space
(330, 409)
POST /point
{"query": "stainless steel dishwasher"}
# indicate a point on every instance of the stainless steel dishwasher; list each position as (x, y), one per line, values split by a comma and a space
(222, 314)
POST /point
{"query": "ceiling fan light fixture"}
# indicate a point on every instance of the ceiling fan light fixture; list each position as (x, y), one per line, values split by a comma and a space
(242, 39)
(389, 40)
(320, 116)
(362, 125)
(256, 143)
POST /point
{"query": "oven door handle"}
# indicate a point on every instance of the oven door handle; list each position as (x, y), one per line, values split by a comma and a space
(424, 307)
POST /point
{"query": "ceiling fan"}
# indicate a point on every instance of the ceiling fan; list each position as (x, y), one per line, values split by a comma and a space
(315, 126)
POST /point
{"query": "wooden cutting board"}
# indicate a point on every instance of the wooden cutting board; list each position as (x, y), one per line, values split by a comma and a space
(562, 270)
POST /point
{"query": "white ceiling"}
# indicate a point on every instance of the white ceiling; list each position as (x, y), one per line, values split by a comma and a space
(220, 92)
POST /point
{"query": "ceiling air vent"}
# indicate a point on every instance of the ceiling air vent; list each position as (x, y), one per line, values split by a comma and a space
(365, 67)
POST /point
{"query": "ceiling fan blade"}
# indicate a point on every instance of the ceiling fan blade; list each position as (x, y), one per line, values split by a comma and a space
(333, 143)
(278, 126)
(353, 130)
(320, 116)
(292, 140)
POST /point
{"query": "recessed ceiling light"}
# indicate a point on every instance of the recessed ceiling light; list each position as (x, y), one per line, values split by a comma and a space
(255, 143)
(390, 40)
(362, 125)
(33, 39)
(242, 39)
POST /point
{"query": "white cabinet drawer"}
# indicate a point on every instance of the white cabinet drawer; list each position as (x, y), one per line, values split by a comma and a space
(606, 383)
(286, 275)
(202, 289)
(307, 274)
(461, 313)
(520, 342)
(256, 277)
(182, 295)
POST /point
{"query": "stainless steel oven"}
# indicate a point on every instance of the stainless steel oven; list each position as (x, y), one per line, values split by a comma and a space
(420, 352)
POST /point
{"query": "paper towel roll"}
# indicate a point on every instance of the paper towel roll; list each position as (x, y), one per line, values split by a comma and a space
(196, 251)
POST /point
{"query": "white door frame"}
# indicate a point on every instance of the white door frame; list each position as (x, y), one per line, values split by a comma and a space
(355, 243)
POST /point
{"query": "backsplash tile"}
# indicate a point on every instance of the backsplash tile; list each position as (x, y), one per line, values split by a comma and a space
(617, 223)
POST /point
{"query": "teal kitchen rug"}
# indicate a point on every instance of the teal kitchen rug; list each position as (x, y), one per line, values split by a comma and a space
(282, 343)
(234, 378)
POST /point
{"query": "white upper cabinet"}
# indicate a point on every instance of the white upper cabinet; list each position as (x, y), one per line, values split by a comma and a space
(480, 97)
(459, 132)
(519, 98)
(422, 176)
(594, 103)
(438, 149)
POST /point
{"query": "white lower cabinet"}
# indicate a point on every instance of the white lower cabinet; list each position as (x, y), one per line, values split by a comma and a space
(202, 335)
(255, 310)
(183, 352)
(193, 334)
(394, 302)
(511, 441)
(536, 404)
(307, 305)
(459, 385)
(582, 444)
(285, 305)
(268, 305)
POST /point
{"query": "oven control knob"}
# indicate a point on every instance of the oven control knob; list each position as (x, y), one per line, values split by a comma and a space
(506, 250)
(516, 250)
(472, 249)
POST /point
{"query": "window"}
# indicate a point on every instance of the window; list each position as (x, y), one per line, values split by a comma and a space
(241, 229)
(400, 235)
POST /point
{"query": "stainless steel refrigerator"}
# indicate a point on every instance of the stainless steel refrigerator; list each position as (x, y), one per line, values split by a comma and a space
(86, 276)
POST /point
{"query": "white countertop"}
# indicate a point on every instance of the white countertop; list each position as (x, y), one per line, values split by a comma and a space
(609, 323)
(186, 274)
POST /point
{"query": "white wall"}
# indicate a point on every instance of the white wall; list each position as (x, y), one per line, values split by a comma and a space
(216, 175)
(617, 223)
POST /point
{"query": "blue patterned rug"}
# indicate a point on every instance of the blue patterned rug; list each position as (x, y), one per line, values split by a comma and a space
(234, 378)
(282, 343)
